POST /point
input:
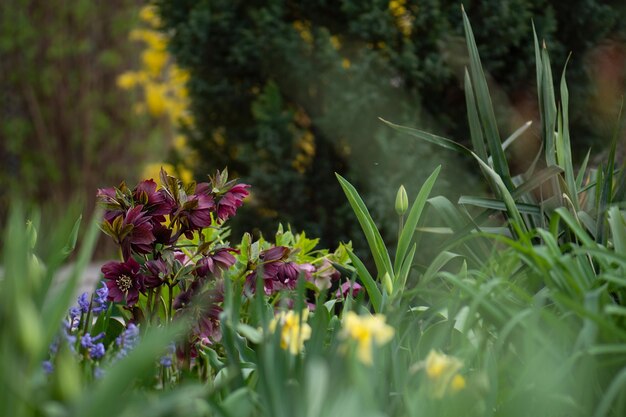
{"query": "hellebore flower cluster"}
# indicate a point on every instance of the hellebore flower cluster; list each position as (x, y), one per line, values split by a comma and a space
(147, 221)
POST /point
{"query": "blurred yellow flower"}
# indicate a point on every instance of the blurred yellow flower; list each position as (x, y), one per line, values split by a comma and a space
(294, 330)
(458, 383)
(304, 29)
(148, 15)
(442, 371)
(155, 99)
(335, 42)
(127, 80)
(366, 331)
(152, 171)
(154, 61)
(345, 63)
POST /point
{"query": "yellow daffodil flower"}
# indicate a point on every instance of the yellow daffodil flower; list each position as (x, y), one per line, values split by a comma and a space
(366, 331)
(294, 330)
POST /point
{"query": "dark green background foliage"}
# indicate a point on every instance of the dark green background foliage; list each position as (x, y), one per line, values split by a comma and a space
(65, 128)
(259, 84)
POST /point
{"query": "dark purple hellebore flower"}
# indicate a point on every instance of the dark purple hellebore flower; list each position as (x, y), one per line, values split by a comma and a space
(123, 281)
(156, 273)
(278, 273)
(138, 237)
(195, 214)
(215, 263)
(108, 198)
(155, 203)
(233, 199)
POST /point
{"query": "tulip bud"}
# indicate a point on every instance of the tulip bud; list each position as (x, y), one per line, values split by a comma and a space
(387, 283)
(31, 233)
(402, 201)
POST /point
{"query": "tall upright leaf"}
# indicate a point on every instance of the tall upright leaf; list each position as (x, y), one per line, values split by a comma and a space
(413, 218)
(374, 239)
(485, 107)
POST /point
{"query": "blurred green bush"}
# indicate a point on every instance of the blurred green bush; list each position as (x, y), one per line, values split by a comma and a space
(66, 129)
(286, 92)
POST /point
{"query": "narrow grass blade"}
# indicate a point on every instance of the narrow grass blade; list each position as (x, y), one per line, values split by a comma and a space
(476, 131)
(55, 308)
(485, 107)
(374, 239)
(413, 218)
(429, 137)
(505, 195)
(536, 180)
(563, 146)
(498, 205)
(582, 171)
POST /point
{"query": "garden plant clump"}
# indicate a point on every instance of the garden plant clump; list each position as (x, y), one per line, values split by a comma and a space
(520, 312)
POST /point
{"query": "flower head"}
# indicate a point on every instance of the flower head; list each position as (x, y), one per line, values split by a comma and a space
(278, 272)
(156, 273)
(366, 331)
(442, 371)
(127, 340)
(83, 303)
(294, 330)
(195, 213)
(123, 280)
(100, 302)
(155, 203)
(233, 199)
(215, 263)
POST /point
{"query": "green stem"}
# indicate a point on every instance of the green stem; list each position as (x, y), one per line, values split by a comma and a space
(400, 226)
(169, 302)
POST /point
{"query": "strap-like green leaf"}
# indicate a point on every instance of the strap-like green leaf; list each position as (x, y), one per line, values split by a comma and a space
(368, 282)
(413, 218)
(429, 137)
(374, 239)
(485, 107)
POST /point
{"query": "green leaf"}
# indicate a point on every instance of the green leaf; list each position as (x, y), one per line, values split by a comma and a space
(374, 239)
(429, 137)
(404, 272)
(563, 147)
(239, 403)
(536, 180)
(485, 107)
(490, 203)
(368, 282)
(582, 171)
(617, 225)
(55, 308)
(476, 132)
(512, 210)
(120, 377)
(71, 243)
(413, 218)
